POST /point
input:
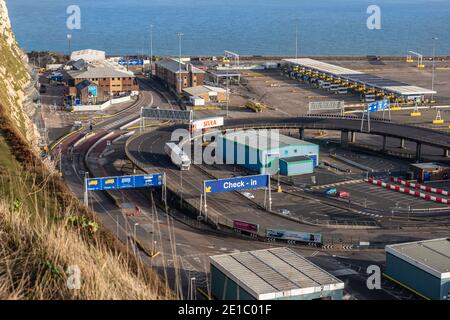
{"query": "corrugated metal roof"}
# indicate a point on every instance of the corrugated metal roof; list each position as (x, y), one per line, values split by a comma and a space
(264, 139)
(174, 66)
(274, 273)
(392, 86)
(432, 256)
(296, 159)
(198, 90)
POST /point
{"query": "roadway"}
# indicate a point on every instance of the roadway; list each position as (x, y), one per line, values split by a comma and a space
(347, 123)
(184, 245)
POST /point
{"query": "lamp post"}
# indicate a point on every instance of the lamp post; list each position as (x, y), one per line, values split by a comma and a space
(296, 39)
(179, 35)
(228, 95)
(69, 38)
(278, 175)
(433, 67)
(151, 50)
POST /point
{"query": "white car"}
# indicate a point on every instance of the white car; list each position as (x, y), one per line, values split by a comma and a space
(248, 195)
(286, 212)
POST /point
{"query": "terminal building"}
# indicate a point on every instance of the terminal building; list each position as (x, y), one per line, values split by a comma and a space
(423, 267)
(92, 79)
(171, 72)
(271, 274)
(427, 172)
(370, 87)
(264, 150)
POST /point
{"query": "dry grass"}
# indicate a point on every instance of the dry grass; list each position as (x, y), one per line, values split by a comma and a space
(36, 248)
(38, 242)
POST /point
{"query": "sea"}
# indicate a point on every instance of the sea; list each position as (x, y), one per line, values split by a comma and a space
(247, 27)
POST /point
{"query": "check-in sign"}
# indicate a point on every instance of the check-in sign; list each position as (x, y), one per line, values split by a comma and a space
(236, 184)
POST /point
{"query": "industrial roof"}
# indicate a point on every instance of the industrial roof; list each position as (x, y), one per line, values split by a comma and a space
(174, 66)
(100, 72)
(296, 159)
(275, 273)
(428, 165)
(432, 256)
(88, 55)
(265, 139)
(362, 78)
(198, 90)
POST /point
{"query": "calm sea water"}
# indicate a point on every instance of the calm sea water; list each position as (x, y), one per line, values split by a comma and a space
(259, 27)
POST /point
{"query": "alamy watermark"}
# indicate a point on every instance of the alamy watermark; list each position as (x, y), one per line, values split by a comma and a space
(374, 280)
(73, 21)
(74, 277)
(374, 19)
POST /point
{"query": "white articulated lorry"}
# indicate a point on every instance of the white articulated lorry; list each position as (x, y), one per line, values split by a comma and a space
(178, 156)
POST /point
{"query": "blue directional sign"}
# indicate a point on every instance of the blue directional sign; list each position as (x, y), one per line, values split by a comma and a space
(378, 106)
(133, 62)
(124, 182)
(235, 184)
(149, 180)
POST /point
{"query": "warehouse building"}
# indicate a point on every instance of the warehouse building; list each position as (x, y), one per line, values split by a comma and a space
(207, 94)
(168, 70)
(266, 151)
(271, 274)
(423, 267)
(426, 172)
(88, 55)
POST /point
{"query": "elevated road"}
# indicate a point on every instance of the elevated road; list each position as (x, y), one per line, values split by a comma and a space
(347, 124)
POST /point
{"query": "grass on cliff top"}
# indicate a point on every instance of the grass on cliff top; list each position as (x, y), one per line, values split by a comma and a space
(39, 247)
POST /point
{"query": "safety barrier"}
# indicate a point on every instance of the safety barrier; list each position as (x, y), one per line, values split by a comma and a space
(419, 186)
(407, 191)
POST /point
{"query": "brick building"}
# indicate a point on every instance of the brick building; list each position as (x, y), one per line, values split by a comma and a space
(168, 70)
(109, 80)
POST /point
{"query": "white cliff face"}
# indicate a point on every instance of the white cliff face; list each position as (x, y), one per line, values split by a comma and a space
(14, 77)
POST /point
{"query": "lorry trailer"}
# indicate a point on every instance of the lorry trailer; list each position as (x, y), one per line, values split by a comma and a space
(177, 156)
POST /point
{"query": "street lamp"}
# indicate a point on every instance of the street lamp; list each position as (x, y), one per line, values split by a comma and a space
(69, 37)
(432, 73)
(179, 35)
(151, 50)
(228, 95)
(267, 167)
(296, 39)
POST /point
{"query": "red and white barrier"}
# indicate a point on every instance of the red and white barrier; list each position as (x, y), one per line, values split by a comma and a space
(408, 191)
(421, 187)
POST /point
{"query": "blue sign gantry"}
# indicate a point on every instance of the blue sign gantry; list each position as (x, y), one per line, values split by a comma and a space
(236, 184)
(378, 106)
(124, 182)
